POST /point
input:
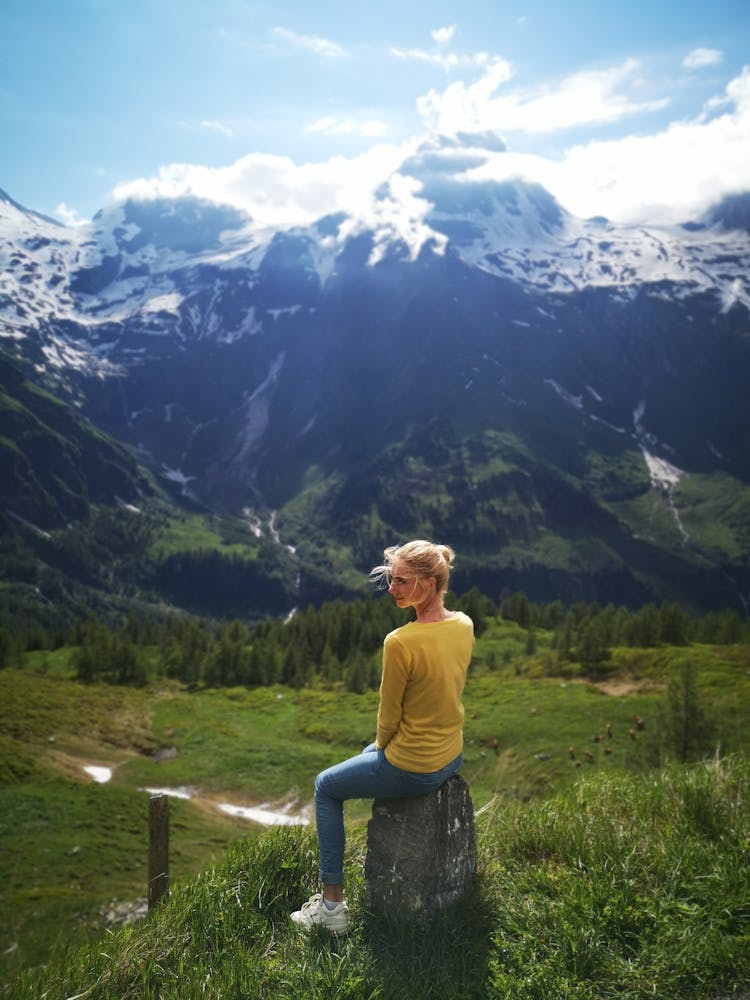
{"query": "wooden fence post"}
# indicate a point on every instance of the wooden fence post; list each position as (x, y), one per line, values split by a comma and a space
(158, 854)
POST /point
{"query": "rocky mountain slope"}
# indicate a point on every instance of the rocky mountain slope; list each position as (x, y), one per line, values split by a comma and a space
(563, 400)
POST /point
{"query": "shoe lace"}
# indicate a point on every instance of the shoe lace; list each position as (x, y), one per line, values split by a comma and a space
(313, 902)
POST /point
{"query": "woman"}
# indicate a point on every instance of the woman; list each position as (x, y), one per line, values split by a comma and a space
(420, 717)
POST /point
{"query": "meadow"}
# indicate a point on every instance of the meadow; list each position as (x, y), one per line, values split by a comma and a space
(608, 866)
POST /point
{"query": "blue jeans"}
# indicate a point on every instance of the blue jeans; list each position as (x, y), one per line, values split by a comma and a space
(366, 776)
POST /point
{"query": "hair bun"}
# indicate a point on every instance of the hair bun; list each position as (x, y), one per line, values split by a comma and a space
(448, 554)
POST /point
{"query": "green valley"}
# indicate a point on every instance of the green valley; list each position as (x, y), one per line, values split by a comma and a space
(538, 731)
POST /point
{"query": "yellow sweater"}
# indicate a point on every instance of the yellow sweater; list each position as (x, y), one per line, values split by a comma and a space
(420, 718)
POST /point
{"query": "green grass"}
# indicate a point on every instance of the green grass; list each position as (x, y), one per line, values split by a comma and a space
(245, 746)
(69, 849)
(621, 887)
(715, 510)
(197, 531)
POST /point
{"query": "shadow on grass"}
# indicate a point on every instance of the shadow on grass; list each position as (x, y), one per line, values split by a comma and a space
(443, 954)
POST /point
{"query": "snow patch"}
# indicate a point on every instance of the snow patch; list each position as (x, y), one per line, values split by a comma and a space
(732, 294)
(179, 477)
(323, 257)
(644, 437)
(568, 397)
(612, 427)
(256, 413)
(124, 505)
(268, 816)
(175, 475)
(22, 520)
(264, 813)
(169, 303)
(101, 775)
(12, 334)
(128, 231)
(664, 477)
(663, 474)
(251, 325)
(61, 354)
(286, 311)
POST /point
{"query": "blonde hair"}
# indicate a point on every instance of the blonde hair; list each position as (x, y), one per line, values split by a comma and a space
(424, 559)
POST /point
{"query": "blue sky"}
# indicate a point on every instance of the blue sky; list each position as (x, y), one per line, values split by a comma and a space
(639, 110)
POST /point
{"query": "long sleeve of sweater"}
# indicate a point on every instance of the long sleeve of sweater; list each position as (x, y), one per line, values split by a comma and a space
(392, 686)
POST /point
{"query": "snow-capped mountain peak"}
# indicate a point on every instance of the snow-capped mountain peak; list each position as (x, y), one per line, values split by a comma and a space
(457, 331)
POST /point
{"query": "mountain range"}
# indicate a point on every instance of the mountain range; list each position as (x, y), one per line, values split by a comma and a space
(564, 401)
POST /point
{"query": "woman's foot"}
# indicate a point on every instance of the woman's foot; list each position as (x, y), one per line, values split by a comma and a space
(315, 913)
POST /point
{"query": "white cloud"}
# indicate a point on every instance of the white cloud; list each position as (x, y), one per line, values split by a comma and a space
(592, 96)
(439, 57)
(328, 125)
(399, 214)
(702, 57)
(69, 216)
(668, 177)
(213, 126)
(312, 43)
(445, 60)
(441, 36)
(274, 189)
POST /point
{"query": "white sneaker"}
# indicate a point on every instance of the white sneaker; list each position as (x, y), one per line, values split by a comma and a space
(315, 913)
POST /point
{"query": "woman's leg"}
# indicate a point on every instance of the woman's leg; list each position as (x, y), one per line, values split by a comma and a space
(366, 776)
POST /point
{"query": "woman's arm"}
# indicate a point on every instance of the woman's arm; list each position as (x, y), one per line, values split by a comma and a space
(392, 685)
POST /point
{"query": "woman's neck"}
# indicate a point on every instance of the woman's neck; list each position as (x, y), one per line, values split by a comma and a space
(431, 611)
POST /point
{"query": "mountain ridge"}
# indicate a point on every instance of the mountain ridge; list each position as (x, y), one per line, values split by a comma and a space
(281, 371)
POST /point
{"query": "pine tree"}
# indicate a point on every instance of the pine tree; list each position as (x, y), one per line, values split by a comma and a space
(688, 732)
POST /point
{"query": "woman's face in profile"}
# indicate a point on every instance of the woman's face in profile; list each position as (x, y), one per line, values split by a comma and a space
(405, 588)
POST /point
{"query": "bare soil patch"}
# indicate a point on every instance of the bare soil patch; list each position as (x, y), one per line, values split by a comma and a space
(620, 687)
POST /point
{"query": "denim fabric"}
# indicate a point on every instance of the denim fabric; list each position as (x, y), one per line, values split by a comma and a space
(366, 776)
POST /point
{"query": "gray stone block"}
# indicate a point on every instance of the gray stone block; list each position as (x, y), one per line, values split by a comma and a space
(421, 851)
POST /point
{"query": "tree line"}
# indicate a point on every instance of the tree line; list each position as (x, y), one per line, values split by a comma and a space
(586, 633)
(341, 641)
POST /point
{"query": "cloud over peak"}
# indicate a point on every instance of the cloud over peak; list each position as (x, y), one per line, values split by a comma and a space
(669, 171)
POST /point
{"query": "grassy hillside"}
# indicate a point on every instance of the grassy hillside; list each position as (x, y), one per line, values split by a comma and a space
(85, 529)
(623, 887)
(68, 847)
(56, 463)
(582, 526)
